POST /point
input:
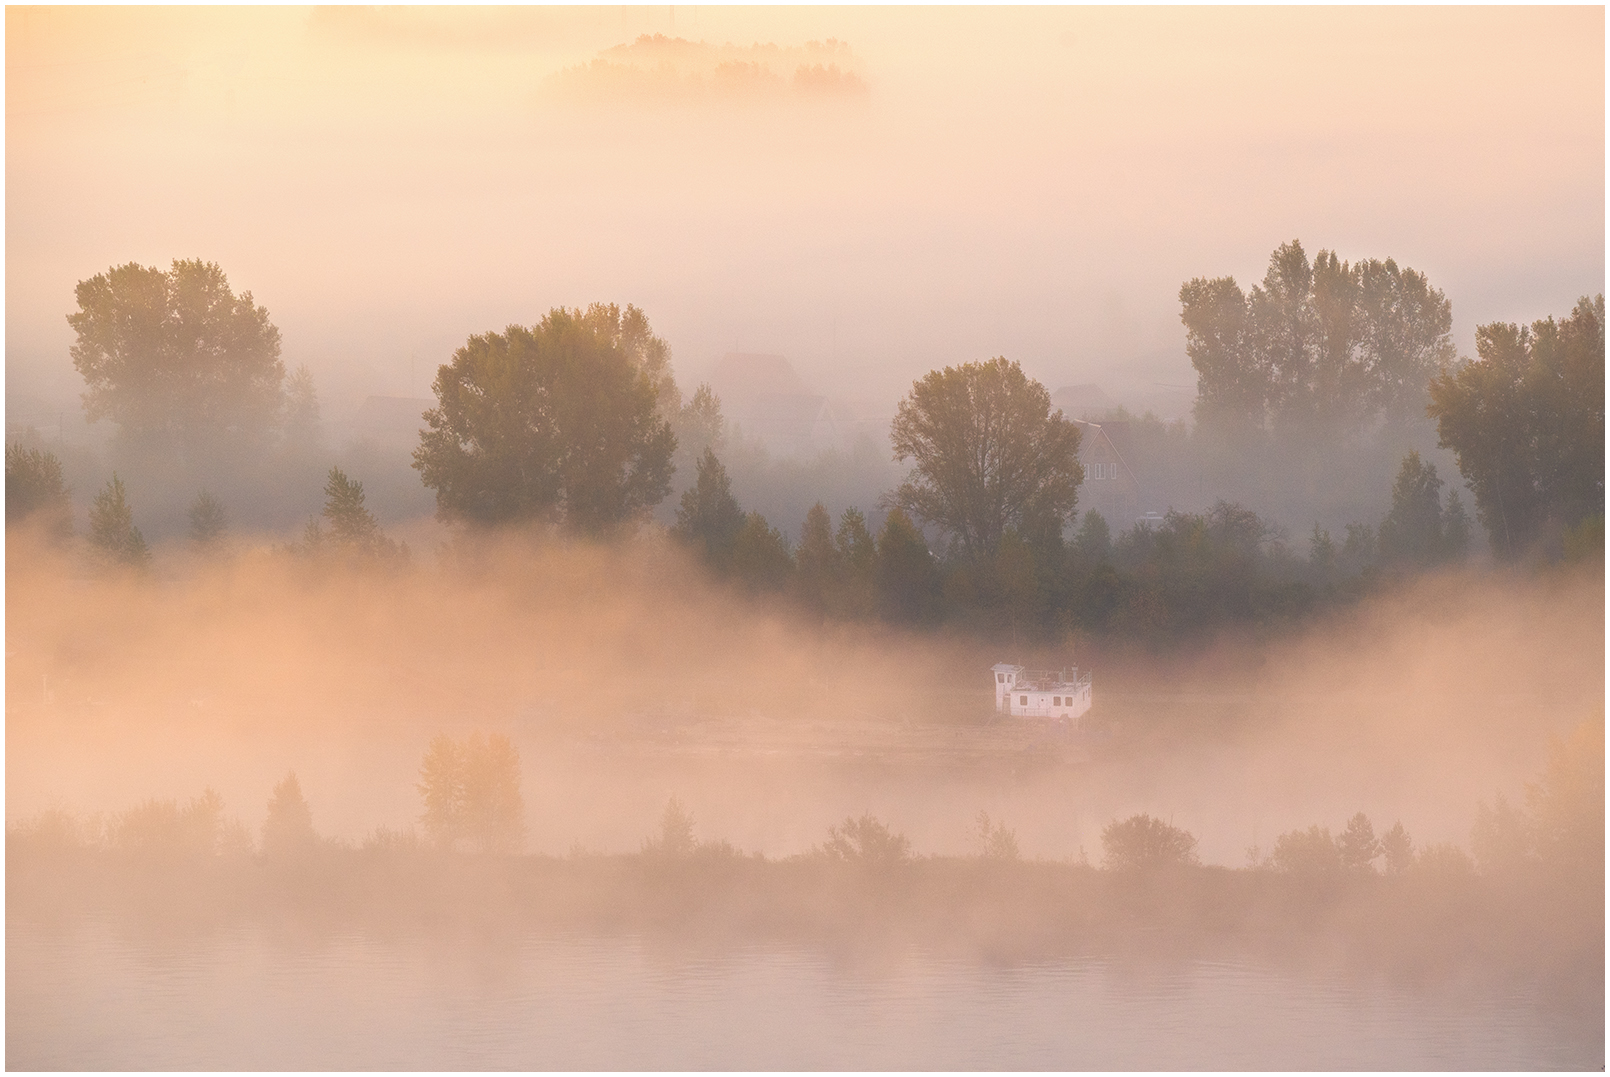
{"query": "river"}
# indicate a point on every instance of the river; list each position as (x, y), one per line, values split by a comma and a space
(87, 993)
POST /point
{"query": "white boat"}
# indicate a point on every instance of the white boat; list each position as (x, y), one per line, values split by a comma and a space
(1040, 693)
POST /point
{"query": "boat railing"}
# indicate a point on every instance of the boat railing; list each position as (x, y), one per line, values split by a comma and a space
(1045, 680)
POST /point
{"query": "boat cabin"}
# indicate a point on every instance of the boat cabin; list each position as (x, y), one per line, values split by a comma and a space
(1040, 693)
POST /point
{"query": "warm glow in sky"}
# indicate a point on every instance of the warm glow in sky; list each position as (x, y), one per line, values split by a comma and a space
(1035, 183)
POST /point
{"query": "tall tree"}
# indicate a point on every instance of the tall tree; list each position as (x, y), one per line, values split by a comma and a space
(1284, 330)
(1328, 342)
(858, 556)
(556, 423)
(1406, 336)
(176, 359)
(989, 454)
(629, 331)
(111, 526)
(1526, 424)
(1231, 389)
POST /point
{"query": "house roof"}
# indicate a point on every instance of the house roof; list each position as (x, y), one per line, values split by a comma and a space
(1115, 434)
(748, 374)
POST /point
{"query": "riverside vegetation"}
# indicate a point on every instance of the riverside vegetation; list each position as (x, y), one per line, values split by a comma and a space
(1526, 901)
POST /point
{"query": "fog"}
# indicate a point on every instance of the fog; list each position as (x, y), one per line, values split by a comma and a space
(624, 678)
(814, 207)
(1035, 183)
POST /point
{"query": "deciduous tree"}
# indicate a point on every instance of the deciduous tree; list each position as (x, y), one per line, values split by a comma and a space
(471, 790)
(176, 359)
(34, 489)
(1142, 842)
(1307, 852)
(988, 454)
(866, 841)
(558, 423)
(1526, 424)
(1326, 342)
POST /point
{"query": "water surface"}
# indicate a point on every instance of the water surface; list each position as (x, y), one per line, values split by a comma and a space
(90, 995)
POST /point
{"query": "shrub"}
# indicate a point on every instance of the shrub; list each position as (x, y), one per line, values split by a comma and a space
(866, 841)
(162, 830)
(1307, 852)
(1141, 842)
(999, 843)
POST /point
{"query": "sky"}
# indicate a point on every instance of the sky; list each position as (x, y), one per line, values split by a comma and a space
(1035, 183)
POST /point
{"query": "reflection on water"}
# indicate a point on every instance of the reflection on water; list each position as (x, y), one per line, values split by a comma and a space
(84, 996)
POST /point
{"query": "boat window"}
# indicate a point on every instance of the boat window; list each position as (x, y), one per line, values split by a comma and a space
(1000, 678)
(1023, 701)
(1056, 701)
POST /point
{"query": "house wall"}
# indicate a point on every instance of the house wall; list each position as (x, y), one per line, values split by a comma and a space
(1109, 485)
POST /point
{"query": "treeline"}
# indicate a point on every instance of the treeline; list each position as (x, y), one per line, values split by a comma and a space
(346, 532)
(1187, 572)
(575, 426)
(1526, 902)
(1316, 373)
(1159, 581)
(470, 795)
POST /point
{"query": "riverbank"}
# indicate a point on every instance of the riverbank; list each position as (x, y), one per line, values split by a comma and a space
(1544, 930)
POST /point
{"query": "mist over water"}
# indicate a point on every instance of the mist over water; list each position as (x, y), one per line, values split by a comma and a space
(624, 678)
(229, 1000)
(751, 821)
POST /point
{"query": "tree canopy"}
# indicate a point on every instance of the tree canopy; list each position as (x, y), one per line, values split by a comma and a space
(556, 423)
(989, 454)
(471, 791)
(176, 359)
(1142, 842)
(34, 485)
(1526, 424)
(1328, 341)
